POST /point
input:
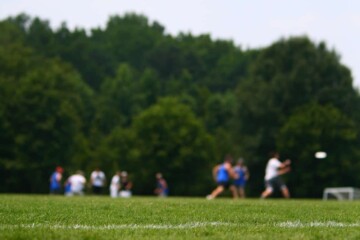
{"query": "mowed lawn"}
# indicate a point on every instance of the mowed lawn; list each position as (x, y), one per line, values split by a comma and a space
(58, 217)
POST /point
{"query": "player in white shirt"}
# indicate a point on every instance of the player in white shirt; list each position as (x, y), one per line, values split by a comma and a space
(273, 172)
(115, 185)
(77, 184)
(98, 181)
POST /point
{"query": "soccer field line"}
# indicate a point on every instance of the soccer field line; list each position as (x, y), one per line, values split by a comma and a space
(116, 227)
(191, 225)
(315, 224)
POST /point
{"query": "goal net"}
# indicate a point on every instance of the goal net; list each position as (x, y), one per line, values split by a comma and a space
(341, 193)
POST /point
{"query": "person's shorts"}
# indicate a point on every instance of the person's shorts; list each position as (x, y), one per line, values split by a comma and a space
(239, 184)
(224, 184)
(97, 189)
(275, 183)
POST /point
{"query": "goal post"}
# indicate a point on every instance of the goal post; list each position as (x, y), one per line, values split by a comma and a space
(341, 193)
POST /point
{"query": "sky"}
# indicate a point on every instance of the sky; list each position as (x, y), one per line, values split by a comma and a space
(249, 23)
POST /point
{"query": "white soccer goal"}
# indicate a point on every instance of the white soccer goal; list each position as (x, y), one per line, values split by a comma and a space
(341, 193)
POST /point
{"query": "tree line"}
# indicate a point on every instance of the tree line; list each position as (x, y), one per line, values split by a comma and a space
(130, 96)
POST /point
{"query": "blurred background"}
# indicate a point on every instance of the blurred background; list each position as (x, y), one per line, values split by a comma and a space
(152, 87)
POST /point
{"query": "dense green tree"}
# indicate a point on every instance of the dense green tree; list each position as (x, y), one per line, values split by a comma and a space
(117, 100)
(170, 139)
(312, 128)
(288, 74)
(40, 36)
(217, 65)
(44, 108)
(166, 57)
(10, 33)
(131, 36)
(86, 98)
(223, 64)
(220, 110)
(90, 58)
(149, 88)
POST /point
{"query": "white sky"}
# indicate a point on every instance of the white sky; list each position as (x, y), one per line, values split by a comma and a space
(249, 23)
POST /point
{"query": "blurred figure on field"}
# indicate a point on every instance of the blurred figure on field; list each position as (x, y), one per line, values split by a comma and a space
(273, 172)
(76, 183)
(125, 185)
(55, 181)
(222, 174)
(243, 175)
(161, 189)
(97, 181)
(67, 188)
(115, 185)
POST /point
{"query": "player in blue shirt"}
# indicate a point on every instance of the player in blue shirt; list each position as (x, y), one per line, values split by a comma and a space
(242, 171)
(55, 181)
(162, 189)
(223, 173)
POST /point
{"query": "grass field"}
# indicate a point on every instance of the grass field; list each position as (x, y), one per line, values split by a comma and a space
(50, 217)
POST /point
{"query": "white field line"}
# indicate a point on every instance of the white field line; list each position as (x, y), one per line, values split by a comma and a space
(191, 225)
(329, 224)
(115, 227)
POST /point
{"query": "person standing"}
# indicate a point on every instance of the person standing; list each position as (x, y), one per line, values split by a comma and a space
(222, 174)
(98, 181)
(242, 171)
(273, 172)
(55, 181)
(115, 185)
(161, 189)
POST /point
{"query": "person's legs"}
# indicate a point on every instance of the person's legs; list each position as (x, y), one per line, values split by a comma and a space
(114, 192)
(241, 192)
(234, 191)
(216, 192)
(266, 193)
(268, 190)
(285, 191)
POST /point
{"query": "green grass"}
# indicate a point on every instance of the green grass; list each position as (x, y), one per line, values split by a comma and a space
(50, 217)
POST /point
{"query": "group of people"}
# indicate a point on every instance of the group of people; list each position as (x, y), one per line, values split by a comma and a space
(225, 175)
(120, 185)
(74, 185)
(228, 177)
(234, 178)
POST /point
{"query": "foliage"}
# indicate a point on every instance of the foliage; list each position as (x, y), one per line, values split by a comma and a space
(314, 128)
(169, 139)
(45, 107)
(133, 97)
(286, 76)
